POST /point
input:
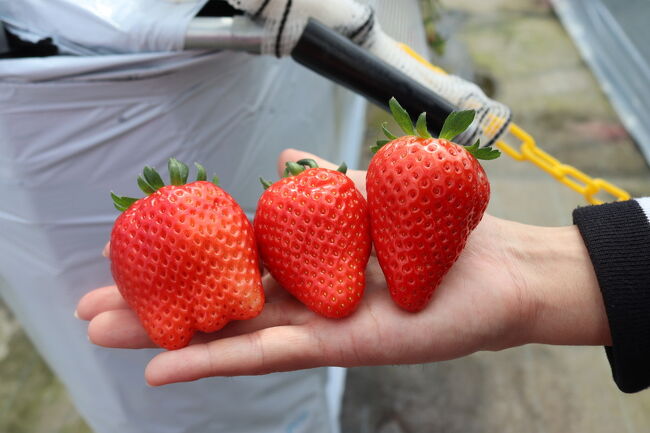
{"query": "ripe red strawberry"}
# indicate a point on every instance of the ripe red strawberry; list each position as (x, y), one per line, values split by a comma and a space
(425, 196)
(184, 257)
(313, 232)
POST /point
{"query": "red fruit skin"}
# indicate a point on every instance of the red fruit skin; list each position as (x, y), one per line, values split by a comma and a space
(425, 196)
(185, 260)
(314, 238)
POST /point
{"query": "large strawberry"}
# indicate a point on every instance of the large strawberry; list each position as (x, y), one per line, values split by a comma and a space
(184, 257)
(313, 232)
(425, 196)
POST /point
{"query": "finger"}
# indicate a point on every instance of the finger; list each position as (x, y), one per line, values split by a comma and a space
(100, 300)
(269, 350)
(357, 176)
(273, 291)
(120, 329)
(281, 313)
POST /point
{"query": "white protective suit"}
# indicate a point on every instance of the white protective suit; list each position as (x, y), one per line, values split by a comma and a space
(73, 128)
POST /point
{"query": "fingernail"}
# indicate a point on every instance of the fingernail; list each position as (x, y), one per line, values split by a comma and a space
(105, 252)
(76, 314)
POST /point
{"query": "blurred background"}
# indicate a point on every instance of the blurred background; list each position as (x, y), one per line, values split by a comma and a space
(520, 53)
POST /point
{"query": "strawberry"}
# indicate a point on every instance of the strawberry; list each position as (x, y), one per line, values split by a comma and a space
(184, 257)
(313, 232)
(425, 196)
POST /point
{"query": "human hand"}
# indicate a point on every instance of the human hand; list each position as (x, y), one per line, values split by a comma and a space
(507, 288)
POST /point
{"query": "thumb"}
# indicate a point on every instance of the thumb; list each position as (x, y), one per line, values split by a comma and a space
(357, 176)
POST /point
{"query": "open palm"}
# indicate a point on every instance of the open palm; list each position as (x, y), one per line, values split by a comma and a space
(477, 307)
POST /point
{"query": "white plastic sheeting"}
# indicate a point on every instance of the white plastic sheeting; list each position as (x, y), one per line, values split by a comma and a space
(613, 36)
(68, 141)
(75, 128)
(88, 27)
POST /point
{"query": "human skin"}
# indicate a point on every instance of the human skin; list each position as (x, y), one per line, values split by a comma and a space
(513, 284)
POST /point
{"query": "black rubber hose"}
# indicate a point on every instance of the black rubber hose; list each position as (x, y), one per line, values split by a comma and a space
(332, 55)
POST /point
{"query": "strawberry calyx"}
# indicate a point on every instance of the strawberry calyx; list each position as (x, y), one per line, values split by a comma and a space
(150, 181)
(455, 124)
(295, 168)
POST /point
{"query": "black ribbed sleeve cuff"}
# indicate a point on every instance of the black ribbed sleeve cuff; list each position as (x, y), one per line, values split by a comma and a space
(617, 236)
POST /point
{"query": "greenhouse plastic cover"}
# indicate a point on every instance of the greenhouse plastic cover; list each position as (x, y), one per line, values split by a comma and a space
(76, 127)
(613, 37)
(88, 27)
(88, 125)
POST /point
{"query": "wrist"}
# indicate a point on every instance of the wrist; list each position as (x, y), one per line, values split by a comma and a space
(564, 304)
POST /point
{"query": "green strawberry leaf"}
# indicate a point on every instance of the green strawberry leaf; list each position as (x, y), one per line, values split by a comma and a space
(185, 173)
(215, 180)
(200, 172)
(401, 117)
(387, 133)
(122, 203)
(380, 143)
(421, 126)
(178, 172)
(456, 124)
(343, 168)
(294, 168)
(265, 183)
(153, 178)
(308, 163)
(150, 181)
(144, 186)
(486, 153)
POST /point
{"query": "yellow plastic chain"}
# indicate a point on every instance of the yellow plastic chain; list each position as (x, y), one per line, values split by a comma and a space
(528, 151)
